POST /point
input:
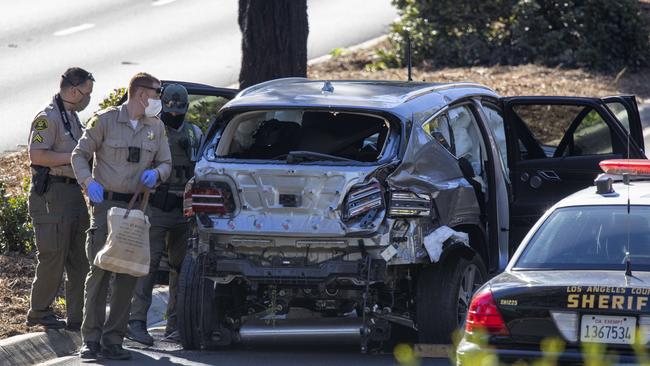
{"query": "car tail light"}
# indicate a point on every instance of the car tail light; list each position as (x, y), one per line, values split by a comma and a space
(208, 197)
(362, 199)
(483, 315)
(409, 204)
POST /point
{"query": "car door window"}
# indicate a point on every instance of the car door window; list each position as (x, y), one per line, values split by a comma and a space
(439, 129)
(592, 136)
(561, 130)
(621, 113)
(458, 132)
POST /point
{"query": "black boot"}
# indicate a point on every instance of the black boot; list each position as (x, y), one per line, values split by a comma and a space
(137, 331)
(115, 352)
(89, 351)
(48, 321)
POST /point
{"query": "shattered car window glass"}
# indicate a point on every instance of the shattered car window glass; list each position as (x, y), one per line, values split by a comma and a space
(281, 134)
(590, 237)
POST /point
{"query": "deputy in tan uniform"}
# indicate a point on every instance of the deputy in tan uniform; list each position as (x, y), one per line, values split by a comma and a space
(129, 145)
(56, 203)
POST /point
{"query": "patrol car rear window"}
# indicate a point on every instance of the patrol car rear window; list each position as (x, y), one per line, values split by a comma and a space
(590, 238)
(273, 135)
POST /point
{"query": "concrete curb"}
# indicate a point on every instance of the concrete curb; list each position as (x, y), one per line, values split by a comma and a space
(41, 347)
(33, 348)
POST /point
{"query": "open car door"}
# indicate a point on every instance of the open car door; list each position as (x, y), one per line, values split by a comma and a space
(555, 145)
(626, 110)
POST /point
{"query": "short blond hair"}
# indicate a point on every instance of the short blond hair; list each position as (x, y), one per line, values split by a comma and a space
(141, 79)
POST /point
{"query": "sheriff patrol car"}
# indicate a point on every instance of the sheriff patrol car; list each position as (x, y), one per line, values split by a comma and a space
(582, 275)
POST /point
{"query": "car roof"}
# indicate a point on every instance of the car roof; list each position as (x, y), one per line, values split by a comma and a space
(637, 191)
(376, 94)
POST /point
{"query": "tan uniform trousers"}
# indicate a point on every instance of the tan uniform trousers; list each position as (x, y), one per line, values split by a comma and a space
(96, 327)
(60, 219)
(169, 231)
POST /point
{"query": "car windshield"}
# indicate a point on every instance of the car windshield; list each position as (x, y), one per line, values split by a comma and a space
(590, 238)
(298, 136)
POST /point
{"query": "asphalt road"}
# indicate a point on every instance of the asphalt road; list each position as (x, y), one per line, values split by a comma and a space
(192, 40)
(164, 353)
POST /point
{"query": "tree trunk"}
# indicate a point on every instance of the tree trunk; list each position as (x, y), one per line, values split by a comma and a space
(274, 40)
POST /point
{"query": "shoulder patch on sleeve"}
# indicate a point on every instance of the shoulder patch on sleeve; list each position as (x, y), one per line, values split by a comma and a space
(92, 121)
(37, 138)
(106, 110)
(40, 124)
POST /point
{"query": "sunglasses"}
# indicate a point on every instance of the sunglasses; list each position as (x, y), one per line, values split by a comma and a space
(158, 90)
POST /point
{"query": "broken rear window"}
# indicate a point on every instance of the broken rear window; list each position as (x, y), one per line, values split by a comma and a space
(302, 136)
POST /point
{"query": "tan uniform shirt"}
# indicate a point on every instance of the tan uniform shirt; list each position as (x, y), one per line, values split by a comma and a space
(49, 133)
(107, 139)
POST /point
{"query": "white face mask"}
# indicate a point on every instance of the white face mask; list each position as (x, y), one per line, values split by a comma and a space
(154, 107)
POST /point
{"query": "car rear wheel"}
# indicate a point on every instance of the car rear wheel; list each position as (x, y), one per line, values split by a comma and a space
(196, 304)
(444, 292)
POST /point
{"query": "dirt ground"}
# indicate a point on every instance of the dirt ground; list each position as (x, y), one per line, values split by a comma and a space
(505, 80)
(16, 272)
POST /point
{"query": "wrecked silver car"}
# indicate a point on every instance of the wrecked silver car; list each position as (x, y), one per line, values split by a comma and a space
(345, 210)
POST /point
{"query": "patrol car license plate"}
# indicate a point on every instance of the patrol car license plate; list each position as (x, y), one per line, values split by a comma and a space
(608, 329)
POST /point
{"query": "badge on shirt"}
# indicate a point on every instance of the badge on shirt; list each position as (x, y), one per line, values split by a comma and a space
(37, 138)
(150, 136)
(40, 124)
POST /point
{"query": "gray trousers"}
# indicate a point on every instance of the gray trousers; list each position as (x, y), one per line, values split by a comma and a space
(60, 219)
(169, 231)
(95, 327)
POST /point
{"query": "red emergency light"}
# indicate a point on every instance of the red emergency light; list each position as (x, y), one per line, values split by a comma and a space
(626, 166)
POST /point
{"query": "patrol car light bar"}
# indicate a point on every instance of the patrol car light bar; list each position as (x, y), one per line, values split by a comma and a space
(626, 166)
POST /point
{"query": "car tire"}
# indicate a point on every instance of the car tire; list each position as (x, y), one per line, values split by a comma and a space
(196, 304)
(441, 307)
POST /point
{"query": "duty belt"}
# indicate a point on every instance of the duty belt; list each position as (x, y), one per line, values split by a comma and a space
(116, 196)
(58, 179)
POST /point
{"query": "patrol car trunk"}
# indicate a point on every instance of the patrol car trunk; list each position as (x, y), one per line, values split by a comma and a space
(577, 300)
(297, 173)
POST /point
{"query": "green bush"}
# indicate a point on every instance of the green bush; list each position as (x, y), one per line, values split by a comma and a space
(203, 109)
(16, 233)
(596, 34)
(113, 99)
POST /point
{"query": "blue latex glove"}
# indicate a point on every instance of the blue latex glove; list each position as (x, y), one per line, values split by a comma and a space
(95, 192)
(149, 178)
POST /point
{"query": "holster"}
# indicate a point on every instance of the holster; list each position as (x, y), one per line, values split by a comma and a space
(40, 179)
(163, 200)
